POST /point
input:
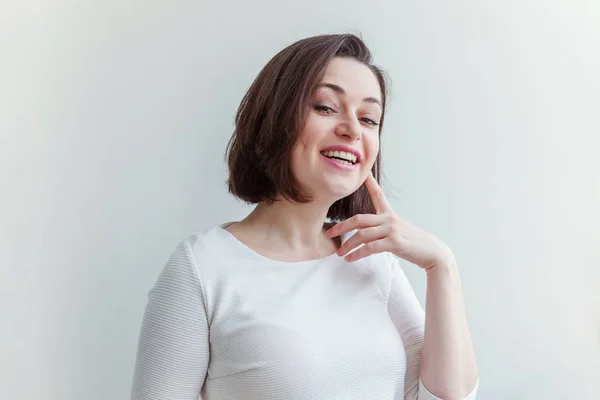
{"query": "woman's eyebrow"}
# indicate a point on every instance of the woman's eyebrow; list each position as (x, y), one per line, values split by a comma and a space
(340, 90)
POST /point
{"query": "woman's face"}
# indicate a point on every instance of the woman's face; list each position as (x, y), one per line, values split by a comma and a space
(343, 123)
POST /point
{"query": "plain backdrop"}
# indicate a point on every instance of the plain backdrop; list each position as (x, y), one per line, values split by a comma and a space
(114, 116)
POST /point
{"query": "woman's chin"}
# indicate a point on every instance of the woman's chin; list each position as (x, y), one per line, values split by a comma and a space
(339, 193)
(333, 191)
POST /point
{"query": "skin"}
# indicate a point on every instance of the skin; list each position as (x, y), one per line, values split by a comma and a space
(296, 232)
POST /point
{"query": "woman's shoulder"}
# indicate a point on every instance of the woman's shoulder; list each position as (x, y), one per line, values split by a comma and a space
(189, 250)
(212, 251)
(207, 244)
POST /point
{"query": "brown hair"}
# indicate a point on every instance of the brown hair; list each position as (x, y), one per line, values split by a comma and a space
(271, 116)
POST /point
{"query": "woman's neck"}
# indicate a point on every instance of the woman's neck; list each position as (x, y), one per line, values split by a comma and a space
(287, 227)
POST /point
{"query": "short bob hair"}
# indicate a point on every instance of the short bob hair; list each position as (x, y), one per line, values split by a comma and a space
(272, 114)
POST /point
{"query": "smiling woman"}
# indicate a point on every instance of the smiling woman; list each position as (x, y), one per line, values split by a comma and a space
(285, 304)
(305, 90)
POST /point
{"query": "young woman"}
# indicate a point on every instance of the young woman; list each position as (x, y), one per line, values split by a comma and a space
(305, 298)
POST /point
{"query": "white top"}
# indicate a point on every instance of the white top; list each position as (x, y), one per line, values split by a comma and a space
(224, 322)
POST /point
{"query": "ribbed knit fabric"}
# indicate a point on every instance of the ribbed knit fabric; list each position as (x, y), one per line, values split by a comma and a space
(226, 323)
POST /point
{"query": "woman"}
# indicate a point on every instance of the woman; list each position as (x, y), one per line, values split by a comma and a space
(285, 305)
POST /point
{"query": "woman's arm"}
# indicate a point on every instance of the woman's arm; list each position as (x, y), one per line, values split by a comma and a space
(447, 359)
(173, 348)
(448, 365)
(413, 325)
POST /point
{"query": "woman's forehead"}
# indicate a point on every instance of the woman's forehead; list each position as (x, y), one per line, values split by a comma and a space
(353, 77)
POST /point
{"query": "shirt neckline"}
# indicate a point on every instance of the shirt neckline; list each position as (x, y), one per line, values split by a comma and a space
(220, 228)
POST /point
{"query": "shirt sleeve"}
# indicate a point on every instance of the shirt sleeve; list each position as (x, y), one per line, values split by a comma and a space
(424, 394)
(173, 348)
(408, 317)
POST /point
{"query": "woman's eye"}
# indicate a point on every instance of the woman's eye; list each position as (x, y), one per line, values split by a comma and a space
(326, 109)
(370, 121)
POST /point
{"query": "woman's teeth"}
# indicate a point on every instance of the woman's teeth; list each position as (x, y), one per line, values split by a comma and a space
(343, 157)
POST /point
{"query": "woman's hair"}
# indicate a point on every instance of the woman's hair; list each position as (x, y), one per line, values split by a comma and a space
(272, 114)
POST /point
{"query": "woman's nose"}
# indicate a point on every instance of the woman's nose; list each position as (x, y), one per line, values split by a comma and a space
(350, 128)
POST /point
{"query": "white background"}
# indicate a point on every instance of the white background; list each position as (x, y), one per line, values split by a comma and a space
(114, 116)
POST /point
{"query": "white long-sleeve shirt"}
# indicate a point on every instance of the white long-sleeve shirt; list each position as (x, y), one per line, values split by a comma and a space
(224, 322)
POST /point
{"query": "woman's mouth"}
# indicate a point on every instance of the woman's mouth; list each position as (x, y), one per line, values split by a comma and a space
(343, 157)
(339, 162)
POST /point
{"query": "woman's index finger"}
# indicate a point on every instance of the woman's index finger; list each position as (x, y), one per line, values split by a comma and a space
(377, 195)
